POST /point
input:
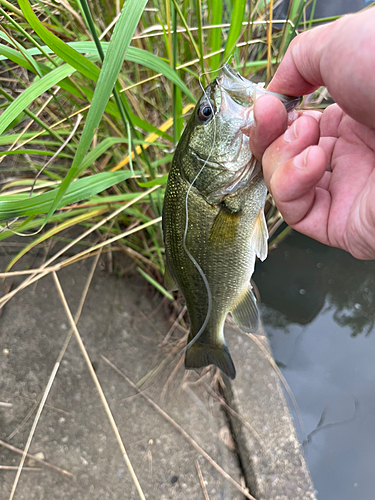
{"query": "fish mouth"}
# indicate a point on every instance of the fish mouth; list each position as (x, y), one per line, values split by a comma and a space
(245, 92)
(241, 90)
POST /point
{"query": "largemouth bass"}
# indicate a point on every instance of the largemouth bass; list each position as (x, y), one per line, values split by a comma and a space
(213, 218)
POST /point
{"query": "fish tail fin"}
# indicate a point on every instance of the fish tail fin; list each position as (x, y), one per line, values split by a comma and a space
(200, 355)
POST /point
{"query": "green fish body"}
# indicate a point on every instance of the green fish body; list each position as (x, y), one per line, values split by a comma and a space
(213, 221)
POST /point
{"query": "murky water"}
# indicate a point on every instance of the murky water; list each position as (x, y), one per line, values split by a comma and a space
(319, 310)
(328, 8)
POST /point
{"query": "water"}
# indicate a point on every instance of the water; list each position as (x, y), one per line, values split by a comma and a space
(328, 8)
(319, 310)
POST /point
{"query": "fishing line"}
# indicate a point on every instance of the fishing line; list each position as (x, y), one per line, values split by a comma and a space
(192, 259)
(196, 265)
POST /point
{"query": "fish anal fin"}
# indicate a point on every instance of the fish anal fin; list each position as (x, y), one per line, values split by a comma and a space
(224, 227)
(169, 282)
(245, 313)
(259, 236)
(200, 355)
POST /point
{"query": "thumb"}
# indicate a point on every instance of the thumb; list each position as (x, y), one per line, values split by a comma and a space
(270, 121)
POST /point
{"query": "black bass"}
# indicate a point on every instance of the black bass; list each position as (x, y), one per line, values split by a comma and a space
(213, 218)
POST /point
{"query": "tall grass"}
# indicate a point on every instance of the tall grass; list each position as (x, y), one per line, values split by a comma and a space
(94, 100)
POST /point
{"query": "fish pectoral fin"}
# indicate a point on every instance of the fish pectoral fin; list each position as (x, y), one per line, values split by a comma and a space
(246, 314)
(169, 282)
(224, 228)
(259, 236)
(200, 355)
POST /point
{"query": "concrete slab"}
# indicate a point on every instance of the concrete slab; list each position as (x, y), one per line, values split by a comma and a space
(124, 322)
(120, 322)
(272, 459)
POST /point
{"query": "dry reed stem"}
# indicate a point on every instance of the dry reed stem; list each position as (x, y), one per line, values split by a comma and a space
(98, 387)
(35, 423)
(173, 327)
(76, 319)
(209, 27)
(237, 415)
(182, 431)
(30, 271)
(15, 467)
(170, 378)
(44, 270)
(51, 379)
(28, 415)
(46, 464)
(158, 75)
(269, 42)
(79, 256)
(201, 480)
(10, 394)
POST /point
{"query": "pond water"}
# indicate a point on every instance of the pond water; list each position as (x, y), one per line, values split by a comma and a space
(318, 307)
(319, 311)
(327, 8)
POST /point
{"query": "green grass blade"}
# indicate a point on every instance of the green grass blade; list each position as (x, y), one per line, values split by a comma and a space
(237, 18)
(11, 8)
(118, 45)
(38, 68)
(31, 93)
(186, 26)
(35, 118)
(133, 54)
(77, 191)
(154, 283)
(81, 217)
(34, 152)
(155, 182)
(312, 14)
(99, 150)
(67, 53)
(14, 56)
(151, 61)
(295, 12)
(198, 4)
(214, 41)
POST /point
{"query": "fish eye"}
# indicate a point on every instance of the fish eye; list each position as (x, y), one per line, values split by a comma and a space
(205, 112)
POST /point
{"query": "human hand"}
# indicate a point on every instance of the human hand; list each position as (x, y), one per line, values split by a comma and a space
(321, 171)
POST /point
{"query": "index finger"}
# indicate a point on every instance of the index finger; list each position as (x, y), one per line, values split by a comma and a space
(299, 71)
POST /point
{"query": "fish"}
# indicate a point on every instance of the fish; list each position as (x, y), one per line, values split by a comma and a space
(213, 221)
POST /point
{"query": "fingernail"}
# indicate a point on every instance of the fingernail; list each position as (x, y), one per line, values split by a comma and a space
(314, 114)
(300, 161)
(291, 133)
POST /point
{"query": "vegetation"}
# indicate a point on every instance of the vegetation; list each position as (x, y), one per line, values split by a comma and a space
(94, 98)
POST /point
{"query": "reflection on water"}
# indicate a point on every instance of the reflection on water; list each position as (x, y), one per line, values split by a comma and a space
(318, 306)
(303, 276)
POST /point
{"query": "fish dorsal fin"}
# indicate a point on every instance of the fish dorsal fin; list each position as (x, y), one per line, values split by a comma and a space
(245, 313)
(259, 236)
(224, 227)
(169, 282)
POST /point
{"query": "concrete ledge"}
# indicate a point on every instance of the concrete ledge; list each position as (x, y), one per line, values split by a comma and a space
(272, 459)
(115, 322)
